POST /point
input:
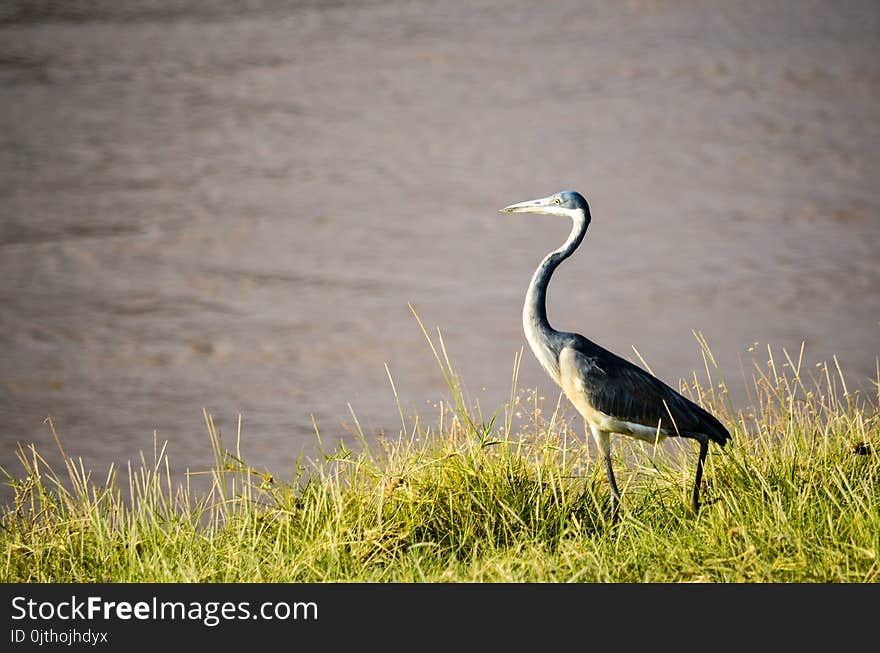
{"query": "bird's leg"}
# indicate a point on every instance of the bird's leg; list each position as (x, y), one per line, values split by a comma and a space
(603, 442)
(615, 493)
(704, 448)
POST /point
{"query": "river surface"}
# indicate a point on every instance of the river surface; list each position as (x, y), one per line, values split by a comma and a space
(231, 205)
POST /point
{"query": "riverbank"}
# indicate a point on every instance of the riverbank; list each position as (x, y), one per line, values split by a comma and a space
(462, 496)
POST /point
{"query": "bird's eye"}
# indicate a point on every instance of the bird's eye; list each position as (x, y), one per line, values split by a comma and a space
(556, 201)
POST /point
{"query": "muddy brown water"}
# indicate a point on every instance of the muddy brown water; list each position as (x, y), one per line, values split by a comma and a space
(231, 206)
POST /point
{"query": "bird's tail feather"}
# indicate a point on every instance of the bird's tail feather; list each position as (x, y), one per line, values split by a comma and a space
(713, 428)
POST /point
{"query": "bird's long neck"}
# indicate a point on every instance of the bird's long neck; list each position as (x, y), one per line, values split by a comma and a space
(544, 340)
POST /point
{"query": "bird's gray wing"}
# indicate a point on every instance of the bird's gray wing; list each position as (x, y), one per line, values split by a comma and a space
(618, 388)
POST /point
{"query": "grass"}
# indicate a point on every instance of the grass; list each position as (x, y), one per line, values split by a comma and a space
(512, 498)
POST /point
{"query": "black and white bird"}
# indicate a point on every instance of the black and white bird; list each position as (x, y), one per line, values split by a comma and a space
(612, 394)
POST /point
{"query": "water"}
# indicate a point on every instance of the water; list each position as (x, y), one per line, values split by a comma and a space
(230, 206)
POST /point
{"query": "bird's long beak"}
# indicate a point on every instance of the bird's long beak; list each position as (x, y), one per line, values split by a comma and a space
(531, 206)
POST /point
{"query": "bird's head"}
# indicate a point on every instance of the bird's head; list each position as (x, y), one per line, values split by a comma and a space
(567, 203)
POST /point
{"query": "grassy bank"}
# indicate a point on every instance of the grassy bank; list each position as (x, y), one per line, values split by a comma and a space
(459, 496)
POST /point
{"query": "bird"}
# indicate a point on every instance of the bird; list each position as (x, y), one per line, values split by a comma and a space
(613, 395)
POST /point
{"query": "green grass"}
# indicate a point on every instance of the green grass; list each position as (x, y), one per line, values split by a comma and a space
(515, 497)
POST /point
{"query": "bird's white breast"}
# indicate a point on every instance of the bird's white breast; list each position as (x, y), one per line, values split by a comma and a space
(542, 352)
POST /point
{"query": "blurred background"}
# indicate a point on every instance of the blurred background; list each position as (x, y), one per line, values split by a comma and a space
(230, 205)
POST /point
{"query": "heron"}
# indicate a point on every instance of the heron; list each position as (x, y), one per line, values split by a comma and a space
(613, 395)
